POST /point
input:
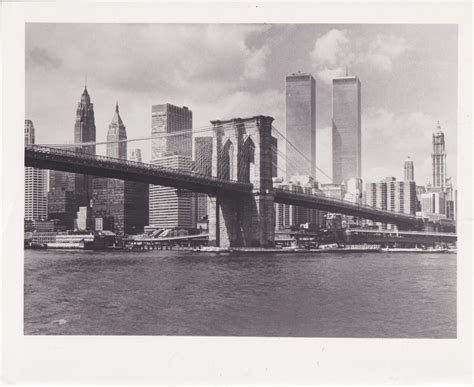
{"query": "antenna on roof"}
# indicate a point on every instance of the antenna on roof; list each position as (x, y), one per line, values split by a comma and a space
(85, 81)
(347, 70)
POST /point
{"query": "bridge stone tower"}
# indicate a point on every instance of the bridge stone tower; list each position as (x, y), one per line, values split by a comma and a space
(242, 152)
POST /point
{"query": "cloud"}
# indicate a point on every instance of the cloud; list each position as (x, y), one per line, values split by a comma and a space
(327, 74)
(255, 64)
(383, 50)
(337, 48)
(43, 58)
(148, 58)
(332, 47)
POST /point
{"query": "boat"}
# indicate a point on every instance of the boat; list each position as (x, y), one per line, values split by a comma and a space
(213, 249)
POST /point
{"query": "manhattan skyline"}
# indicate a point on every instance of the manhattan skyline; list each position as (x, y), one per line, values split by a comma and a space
(409, 75)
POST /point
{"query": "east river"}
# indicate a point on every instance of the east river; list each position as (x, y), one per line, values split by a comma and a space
(185, 293)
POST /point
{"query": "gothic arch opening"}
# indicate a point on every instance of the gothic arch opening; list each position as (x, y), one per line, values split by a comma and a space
(247, 161)
(227, 161)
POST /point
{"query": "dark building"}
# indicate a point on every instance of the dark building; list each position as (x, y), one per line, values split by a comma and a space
(301, 125)
(118, 205)
(62, 198)
(346, 129)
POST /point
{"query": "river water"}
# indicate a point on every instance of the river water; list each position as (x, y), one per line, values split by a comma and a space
(184, 293)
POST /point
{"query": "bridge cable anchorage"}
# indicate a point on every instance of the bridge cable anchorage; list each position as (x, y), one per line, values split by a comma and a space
(301, 153)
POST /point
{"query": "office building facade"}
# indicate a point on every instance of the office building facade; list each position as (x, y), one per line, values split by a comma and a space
(409, 170)
(169, 207)
(300, 125)
(401, 197)
(165, 120)
(36, 195)
(346, 129)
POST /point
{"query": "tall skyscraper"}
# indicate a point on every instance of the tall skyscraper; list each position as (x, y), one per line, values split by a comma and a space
(301, 125)
(169, 207)
(69, 191)
(438, 158)
(84, 131)
(346, 129)
(167, 119)
(118, 205)
(409, 170)
(36, 195)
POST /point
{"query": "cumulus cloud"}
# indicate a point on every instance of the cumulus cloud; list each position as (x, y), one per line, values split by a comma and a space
(255, 64)
(384, 49)
(331, 47)
(336, 49)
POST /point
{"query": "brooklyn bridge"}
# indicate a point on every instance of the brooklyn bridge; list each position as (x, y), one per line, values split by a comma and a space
(240, 188)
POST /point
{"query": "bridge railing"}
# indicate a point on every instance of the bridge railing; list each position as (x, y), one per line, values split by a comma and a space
(78, 152)
(350, 204)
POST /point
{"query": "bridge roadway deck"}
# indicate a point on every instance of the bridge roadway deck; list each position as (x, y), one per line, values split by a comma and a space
(343, 207)
(78, 162)
(73, 161)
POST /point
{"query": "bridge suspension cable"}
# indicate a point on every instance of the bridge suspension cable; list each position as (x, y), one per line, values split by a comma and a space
(300, 153)
(198, 130)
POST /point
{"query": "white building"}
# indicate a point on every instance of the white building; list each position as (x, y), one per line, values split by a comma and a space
(36, 180)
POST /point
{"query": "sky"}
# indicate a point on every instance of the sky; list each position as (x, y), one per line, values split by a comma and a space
(408, 75)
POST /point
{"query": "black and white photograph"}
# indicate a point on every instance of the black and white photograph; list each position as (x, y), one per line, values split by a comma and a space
(308, 180)
(244, 180)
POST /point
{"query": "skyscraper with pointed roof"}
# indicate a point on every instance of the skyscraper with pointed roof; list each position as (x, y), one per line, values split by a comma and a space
(118, 205)
(84, 131)
(438, 158)
(116, 136)
(69, 191)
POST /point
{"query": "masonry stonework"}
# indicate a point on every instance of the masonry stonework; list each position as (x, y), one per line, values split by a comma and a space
(243, 153)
